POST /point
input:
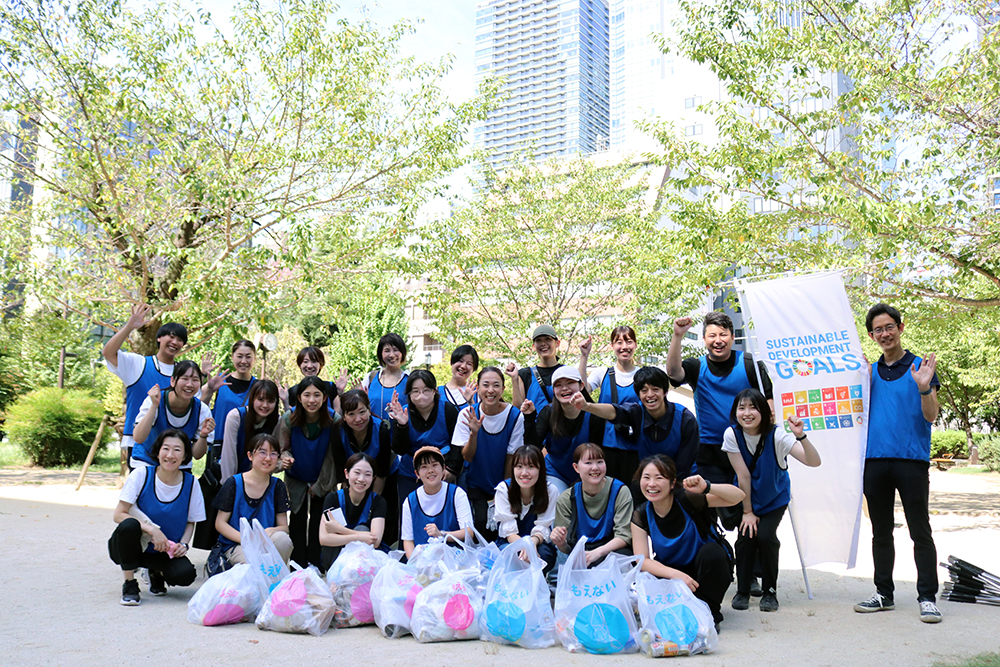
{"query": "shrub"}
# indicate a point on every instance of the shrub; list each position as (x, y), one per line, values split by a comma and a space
(989, 453)
(55, 427)
(949, 442)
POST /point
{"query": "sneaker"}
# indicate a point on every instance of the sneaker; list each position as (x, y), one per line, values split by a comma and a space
(741, 602)
(130, 593)
(142, 575)
(755, 590)
(876, 602)
(157, 586)
(769, 602)
(929, 612)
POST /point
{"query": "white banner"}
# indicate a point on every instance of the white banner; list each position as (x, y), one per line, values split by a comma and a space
(803, 329)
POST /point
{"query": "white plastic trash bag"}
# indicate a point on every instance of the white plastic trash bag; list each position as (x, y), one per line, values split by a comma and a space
(300, 603)
(228, 597)
(393, 593)
(670, 612)
(517, 609)
(592, 610)
(350, 581)
(448, 610)
(263, 556)
(439, 558)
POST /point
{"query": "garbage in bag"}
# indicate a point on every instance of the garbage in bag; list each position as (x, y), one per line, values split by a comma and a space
(350, 581)
(669, 612)
(486, 552)
(440, 557)
(263, 556)
(393, 593)
(448, 610)
(516, 609)
(226, 598)
(300, 603)
(592, 610)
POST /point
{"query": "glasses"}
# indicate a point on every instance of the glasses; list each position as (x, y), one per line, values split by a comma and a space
(266, 454)
(426, 391)
(889, 328)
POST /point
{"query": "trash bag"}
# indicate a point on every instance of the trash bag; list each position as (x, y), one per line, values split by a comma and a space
(669, 612)
(592, 610)
(448, 610)
(300, 603)
(486, 552)
(350, 581)
(517, 609)
(260, 552)
(439, 558)
(393, 593)
(230, 597)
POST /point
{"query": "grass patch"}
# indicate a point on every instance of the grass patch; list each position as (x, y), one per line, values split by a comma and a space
(971, 470)
(981, 660)
(107, 459)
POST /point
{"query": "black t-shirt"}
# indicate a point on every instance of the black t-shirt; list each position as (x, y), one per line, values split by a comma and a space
(544, 371)
(636, 415)
(672, 525)
(692, 368)
(236, 385)
(890, 372)
(331, 394)
(382, 462)
(352, 512)
(537, 429)
(225, 500)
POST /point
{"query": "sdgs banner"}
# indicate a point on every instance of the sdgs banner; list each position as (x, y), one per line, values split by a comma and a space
(804, 330)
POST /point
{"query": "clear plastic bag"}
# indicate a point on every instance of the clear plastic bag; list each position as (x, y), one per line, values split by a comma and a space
(486, 552)
(350, 581)
(670, 612)
(230, 597)
(300, 603)
(393, 593)
(263, 556)
(592, 611)
(448, 610)
(439, 558)
(517, 609)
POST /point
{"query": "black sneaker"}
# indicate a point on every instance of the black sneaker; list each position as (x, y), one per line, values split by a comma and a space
(769, 602)
(130, 593)
(876, 602)
(755, 590)
(741, 602)
(157, 586)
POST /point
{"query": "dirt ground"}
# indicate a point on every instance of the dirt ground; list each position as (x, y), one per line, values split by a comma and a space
(60, 591)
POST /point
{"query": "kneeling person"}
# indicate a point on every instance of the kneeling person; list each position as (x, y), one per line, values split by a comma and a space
(436, 508)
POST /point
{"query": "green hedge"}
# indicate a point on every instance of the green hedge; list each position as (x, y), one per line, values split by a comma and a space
(55, 427)
(989, 452)
(949, 442)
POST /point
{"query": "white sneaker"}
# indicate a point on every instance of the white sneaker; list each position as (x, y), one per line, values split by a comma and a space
(929, 612)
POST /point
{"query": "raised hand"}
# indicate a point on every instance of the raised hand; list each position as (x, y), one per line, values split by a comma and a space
(473, 421)
(681, 325)
(510, 370)
(397, 412)
(797, 426)
(154, 394)
(578, 401)
(342, 380)
(527, 407)
(694, 484)
(140, 316)
(208, 365)
(207, 427)
(923, 375)
(282, 393)
(586, 346)
(468, 391)
(216, 381)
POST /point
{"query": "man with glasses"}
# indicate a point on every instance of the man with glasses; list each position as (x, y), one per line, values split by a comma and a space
(903, 406)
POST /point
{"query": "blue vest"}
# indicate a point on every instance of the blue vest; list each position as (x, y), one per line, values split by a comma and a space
(308, 454)
(379, 396)
(677, 552)
(536, 393)
(264, 512)
(136, 392)
(436, 436)
(669, 446)
(486, 467)
(446, 520)
(896, 425)
(625, 395)
(714, 396)
(770, 486)
(559, 452)
(225, 400)
(364, 519)
(140, 451)
(171, 517)
(374, 445)
(601, 530)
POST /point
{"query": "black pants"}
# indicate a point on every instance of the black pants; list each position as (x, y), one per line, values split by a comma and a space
(392, 503)
(883, 477)
(125, 549)
(621, 463)
(764, 545)
(713, 572)
(303, 528)
(480, 502)
(714, 465)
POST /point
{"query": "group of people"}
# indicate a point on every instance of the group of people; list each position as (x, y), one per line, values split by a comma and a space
(602, 455)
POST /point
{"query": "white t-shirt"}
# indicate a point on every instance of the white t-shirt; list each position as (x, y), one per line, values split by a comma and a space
(493, 424)
(622, 379)
(165, 492)
(783, 443)
(173, 420)
(129, 370)
(507, 522)
(432, 505)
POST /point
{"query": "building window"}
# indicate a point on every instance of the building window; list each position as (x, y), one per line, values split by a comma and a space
(694, 130)
(692, 102)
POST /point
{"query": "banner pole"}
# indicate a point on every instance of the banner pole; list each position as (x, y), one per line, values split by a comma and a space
(752, 342)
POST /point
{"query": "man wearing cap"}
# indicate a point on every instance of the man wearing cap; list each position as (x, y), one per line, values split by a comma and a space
(535, 383)
(436, 508)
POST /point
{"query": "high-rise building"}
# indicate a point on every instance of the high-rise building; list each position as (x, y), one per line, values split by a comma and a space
(552, 56)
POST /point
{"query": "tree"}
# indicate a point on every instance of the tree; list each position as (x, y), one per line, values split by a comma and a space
(574, 244)
(190, 168)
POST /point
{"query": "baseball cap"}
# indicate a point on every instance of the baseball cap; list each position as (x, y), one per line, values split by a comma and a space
(425, 451)
(544, 330)
(566, 372)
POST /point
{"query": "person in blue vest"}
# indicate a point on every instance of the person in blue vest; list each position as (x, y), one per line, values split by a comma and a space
(306, 436)
(156, 514)
(363, 433)
(354, 514)
(687, 546)
(526, 504)
(311, 361)
(562, 427)
(390, 378)
(436, 508)
(903, 405)
(614, 386)
(254, 494)
(140, 373)
(230, 391)
(488, 434)
(759, 451)
(458, 391)
(597, 506)
(177, 407)
(658, 425)
(535, 383)
(259, 415)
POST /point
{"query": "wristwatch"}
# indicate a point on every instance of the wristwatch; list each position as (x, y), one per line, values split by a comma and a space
(708, 487)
